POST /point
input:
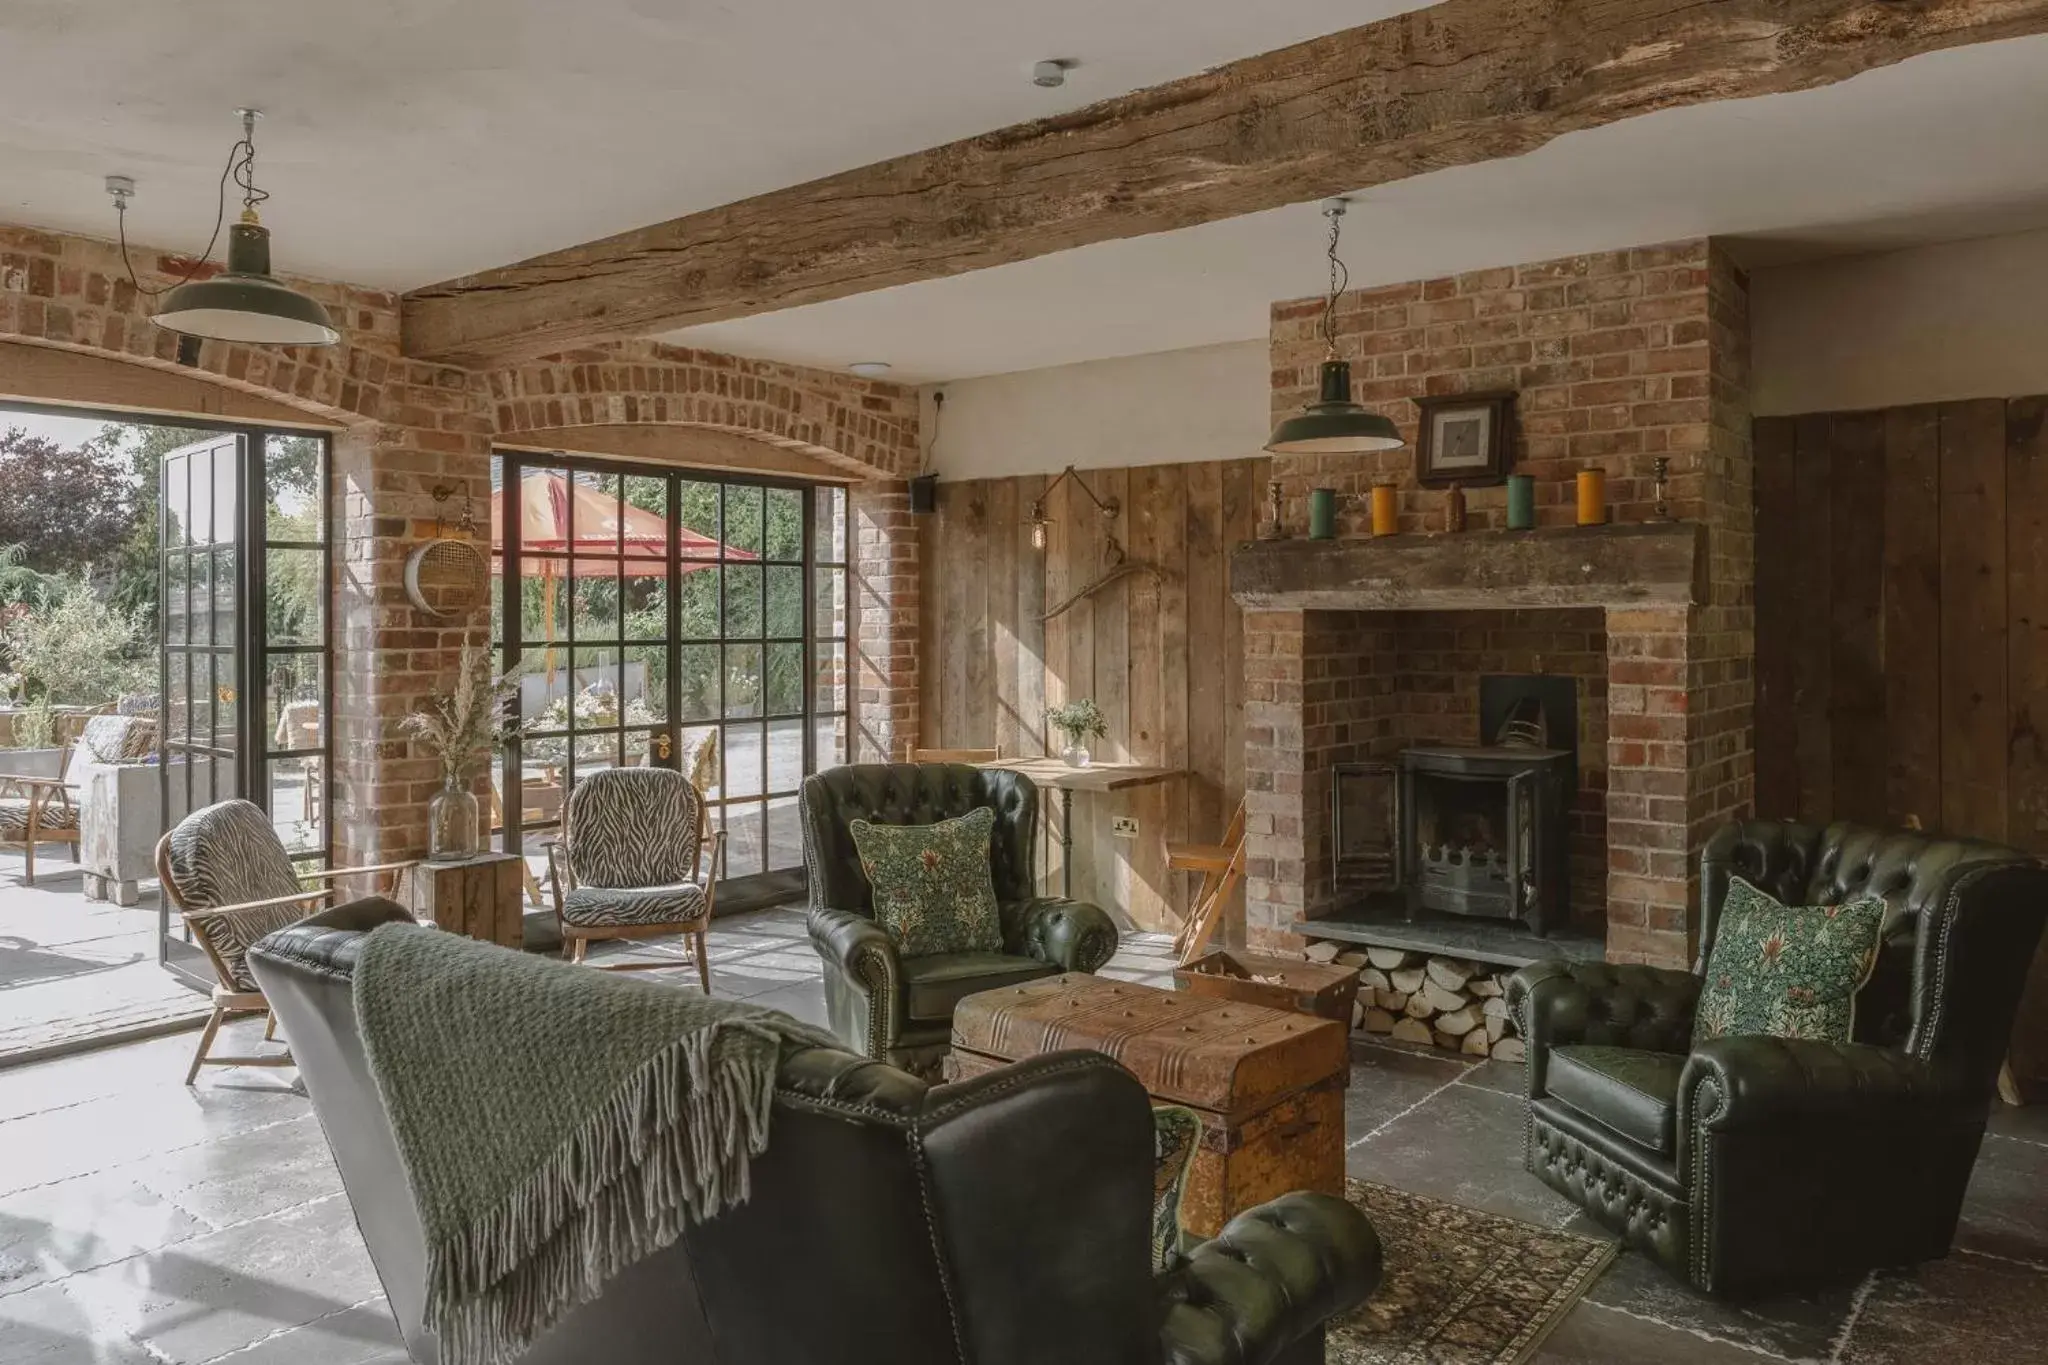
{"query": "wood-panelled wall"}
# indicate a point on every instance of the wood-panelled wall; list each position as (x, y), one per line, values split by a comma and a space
(1902, 630)
(1161, 654)
(1902, 617)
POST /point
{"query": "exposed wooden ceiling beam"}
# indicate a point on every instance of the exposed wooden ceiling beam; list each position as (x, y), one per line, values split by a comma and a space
(1465, 81)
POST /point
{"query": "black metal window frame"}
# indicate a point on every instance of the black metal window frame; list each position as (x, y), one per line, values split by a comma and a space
(657, 737)
(253, 749)
(251, 672)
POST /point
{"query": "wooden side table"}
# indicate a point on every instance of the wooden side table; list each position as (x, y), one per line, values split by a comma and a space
(480, 897)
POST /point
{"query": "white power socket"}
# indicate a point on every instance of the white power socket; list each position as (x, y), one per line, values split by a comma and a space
(1124, 827)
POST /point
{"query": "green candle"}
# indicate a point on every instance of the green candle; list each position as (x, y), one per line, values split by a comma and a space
(1521, 502)
(1322, 514)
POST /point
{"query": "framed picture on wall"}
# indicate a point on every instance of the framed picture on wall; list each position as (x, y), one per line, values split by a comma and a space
(1464, 438)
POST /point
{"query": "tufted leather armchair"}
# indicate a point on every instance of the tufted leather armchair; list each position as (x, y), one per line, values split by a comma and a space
(900, 1010)
(1751, 1164)
(1005, 1220)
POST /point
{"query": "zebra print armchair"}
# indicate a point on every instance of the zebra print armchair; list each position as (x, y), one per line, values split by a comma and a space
(631, 864)
(226, 872)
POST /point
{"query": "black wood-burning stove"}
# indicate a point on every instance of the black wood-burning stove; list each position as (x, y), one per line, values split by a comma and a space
(1483, 831)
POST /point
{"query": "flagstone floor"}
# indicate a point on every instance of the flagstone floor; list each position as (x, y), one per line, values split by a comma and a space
(73, 969)
(144, 1223)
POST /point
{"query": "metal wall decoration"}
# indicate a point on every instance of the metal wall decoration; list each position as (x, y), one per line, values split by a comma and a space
(1465, 438)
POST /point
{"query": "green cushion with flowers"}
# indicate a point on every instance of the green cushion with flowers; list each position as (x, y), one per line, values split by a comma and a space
(1787, 971)
(933, 890)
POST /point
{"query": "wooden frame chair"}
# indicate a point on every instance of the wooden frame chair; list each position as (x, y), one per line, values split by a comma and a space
(619, 825)
(206, 881)
(1222, 868)
(47, 813)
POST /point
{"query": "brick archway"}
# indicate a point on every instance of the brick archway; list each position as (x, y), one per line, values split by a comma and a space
(866, 428)
(405, 427)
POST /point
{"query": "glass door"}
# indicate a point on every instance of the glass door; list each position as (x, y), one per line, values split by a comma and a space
(678, 620)
(243, 643)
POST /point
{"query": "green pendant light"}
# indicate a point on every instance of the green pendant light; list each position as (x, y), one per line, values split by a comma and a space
(1333, 424)
(244, 303)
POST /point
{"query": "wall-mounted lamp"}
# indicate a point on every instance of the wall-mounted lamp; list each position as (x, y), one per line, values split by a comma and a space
(1041, 524)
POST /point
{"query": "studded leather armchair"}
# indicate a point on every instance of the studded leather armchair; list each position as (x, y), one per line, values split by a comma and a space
(1753, 1164)
(1006, 1220)
(900, 1010)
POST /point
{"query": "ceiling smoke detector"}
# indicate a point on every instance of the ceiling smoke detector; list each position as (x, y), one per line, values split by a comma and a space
(869, 369)
(1052, 72)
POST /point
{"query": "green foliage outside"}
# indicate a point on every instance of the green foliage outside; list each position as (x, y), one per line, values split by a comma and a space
(79, 562)
(751, 600)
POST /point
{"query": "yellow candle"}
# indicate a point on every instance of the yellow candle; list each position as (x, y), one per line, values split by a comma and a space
(1592, 497)
(1386, 512)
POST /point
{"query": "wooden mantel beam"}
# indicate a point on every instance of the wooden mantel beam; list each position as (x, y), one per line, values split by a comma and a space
(1461, 82)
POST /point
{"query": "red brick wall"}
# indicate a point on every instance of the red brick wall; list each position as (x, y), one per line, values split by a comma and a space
(1608, 355)
(402, 427)
(1320, 689)
(1617, 358)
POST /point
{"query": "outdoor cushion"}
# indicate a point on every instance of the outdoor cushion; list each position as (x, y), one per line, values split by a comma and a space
(119, 739)
(55, 814)
(936, 982)
(932, 888)
(592, 907)
(1633, 1092)
(1787, 971)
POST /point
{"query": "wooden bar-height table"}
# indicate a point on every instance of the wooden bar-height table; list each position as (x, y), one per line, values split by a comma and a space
(1066, 779)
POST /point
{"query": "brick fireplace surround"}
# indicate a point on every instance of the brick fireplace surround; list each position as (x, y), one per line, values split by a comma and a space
(1356, 648)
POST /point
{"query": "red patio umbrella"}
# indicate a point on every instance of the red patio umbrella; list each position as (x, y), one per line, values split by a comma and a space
(552, 505)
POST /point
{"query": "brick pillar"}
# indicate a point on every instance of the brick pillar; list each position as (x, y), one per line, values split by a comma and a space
(1651, 875)
(885, 596)
(1320, 687)
(390, 658)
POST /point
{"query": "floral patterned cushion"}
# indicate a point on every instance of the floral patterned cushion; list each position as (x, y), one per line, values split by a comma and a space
(1176, 1133)
(1788, 971)
(933, 889)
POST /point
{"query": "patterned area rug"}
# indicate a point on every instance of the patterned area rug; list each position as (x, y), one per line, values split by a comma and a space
(1461, 1287)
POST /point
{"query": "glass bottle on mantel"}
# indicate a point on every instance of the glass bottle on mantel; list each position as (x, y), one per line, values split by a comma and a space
(452, 822)
(1454, 508)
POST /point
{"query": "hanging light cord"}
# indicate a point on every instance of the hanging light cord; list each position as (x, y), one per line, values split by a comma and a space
(241, 168)
(1340, 276)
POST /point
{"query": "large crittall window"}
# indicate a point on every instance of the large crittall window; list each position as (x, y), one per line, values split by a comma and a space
(677, 619)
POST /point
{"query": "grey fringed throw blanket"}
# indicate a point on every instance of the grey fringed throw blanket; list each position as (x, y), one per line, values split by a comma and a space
(556, 1123)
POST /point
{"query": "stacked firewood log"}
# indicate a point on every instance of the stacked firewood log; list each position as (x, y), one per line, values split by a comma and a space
(1446, 1002)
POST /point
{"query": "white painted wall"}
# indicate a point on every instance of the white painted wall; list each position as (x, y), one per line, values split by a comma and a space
(1962, 319)
(1168, 407)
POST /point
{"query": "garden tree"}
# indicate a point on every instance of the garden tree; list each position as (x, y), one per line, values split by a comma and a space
(82, 650)
(65, 507)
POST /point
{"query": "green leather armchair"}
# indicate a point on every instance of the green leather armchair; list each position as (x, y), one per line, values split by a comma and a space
(900, 1010)
(1757, 1164)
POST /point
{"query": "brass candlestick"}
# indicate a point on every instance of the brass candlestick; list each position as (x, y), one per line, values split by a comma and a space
(1661, 469)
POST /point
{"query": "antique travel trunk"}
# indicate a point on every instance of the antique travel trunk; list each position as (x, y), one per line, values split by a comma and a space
(1268, 1084)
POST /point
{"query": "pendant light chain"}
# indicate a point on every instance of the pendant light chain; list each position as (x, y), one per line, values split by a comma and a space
(1340, 276)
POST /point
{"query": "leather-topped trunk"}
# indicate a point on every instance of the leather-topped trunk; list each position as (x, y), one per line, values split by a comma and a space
(1267, 1084)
